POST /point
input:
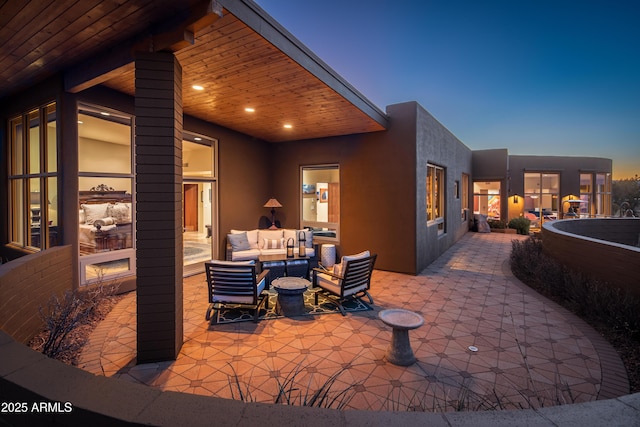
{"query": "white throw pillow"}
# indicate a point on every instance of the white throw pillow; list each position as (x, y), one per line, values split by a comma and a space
(93, 212)
(120, 212)
(273, 243)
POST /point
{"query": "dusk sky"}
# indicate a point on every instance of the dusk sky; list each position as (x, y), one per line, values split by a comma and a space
(537, 77)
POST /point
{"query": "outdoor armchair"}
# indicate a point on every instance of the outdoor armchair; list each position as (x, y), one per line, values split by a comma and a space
(349, 279)
(235, 284)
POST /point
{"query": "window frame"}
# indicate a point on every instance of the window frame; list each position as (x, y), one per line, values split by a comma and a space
(90, 261)
(435, 197)
(332, 226)
(33, 179)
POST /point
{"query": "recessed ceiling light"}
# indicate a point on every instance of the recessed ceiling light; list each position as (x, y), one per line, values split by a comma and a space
(197, 138)
(250, 110)
(198, 87)
(104, 113)
(80, 122)
(288, 126)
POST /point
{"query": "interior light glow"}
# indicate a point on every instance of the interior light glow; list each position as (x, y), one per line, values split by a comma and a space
(198, 87)
(288, 126)
(80, 122)
(197, 138)
(250, 110)
(104, 113)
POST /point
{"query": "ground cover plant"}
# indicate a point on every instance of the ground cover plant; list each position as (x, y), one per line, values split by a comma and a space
(614, 313)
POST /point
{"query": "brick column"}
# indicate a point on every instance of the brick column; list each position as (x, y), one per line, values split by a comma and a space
(158, 111)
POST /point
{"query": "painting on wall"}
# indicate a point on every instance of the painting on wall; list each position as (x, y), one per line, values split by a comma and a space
(323, 195)
(308, 188)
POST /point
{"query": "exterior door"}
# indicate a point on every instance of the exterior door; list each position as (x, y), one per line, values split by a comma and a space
(190, 207)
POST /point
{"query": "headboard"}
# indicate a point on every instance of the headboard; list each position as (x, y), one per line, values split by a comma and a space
(103, 194)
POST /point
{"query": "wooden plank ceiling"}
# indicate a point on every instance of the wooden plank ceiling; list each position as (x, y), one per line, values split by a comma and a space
(237, 67)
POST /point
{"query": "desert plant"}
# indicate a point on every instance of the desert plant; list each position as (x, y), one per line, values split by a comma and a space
(63, 315)
(590, 298)
(290, 392)
(521, 224)
(66, 314)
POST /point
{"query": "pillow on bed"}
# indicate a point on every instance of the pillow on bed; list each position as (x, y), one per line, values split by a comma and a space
(103, 221)
(120, 212)
(93, 212)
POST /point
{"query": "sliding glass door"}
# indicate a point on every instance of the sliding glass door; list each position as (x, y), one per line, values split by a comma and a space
(199, 202)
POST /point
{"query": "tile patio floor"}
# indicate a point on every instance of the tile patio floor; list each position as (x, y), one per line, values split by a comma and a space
(528, 347)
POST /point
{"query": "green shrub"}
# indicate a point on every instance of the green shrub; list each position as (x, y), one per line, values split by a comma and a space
(497, 224)
(521, 224)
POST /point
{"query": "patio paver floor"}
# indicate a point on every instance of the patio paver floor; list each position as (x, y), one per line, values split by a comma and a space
(527, 345)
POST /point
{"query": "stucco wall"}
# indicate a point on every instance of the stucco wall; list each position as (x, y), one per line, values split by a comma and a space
(377, 188)
(436, 145)
(568, 242)
(26, 284)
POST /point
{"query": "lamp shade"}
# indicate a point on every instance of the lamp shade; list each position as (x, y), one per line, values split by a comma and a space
(272, 203)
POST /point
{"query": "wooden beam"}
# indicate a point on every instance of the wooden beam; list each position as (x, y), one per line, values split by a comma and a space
(174, 37)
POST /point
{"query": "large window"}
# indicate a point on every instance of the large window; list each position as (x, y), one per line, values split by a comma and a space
(33, 179)
(435, 196)
(603, 194)
(586, 194)
(106, 208)
(320, 186)
(541, 196)
(486, 199)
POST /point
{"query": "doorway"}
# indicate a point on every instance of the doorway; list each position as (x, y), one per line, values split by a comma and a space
(190, 207)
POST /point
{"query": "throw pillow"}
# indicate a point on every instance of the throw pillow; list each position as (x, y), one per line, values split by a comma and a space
(104, 221)
(239, 242)
(120, 212)
(93, 212)
(273, 244)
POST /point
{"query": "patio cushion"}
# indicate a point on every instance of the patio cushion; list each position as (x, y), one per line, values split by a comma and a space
(332, 284)
(252, 236)
(251, 254)
(239, 241)
(338, 268)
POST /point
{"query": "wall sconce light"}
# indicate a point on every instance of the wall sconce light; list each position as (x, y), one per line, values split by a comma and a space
(515, 198)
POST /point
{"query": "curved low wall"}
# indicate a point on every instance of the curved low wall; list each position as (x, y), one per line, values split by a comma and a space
(602, 247)
(36, 390)
(26, 284)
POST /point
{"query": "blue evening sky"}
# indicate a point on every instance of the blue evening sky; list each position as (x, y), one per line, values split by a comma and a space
(537, 77)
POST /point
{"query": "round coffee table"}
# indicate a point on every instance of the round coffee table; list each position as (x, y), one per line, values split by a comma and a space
(290, 295)
(399, 351)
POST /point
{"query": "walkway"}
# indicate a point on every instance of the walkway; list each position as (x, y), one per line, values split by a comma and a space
(530, 352)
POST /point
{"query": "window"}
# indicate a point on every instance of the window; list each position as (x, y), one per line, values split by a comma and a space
(435, 196)
(106, 209)
(603, 194)
(199, 198)
(320, 205)
(33, 179)
(486, 199)
(465, 196)
(586, 193)
(541, 195)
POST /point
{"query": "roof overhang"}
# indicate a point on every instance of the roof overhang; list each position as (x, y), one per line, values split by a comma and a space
(243, 59)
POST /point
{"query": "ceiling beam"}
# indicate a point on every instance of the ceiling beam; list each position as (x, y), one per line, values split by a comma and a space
(172, 35)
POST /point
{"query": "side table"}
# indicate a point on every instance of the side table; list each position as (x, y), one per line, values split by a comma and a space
(290, 295)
